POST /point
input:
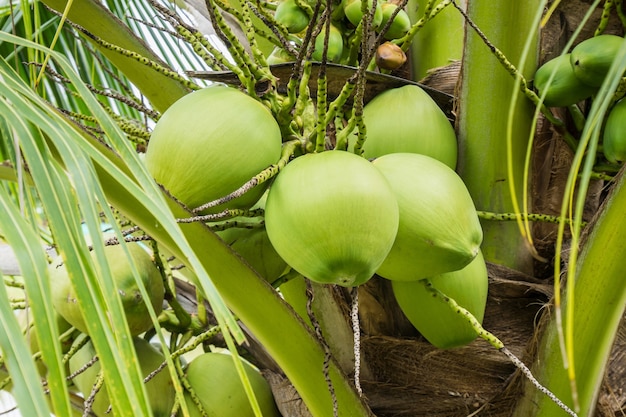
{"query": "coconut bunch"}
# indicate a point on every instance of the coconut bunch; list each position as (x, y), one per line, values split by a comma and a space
(573, 77)
(399, 210)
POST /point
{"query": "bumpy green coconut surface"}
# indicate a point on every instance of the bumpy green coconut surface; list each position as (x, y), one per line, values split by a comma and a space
(332, 217)
(67, 304)
(406, 119)
(439, 230)
(209, 143)
(432, 317)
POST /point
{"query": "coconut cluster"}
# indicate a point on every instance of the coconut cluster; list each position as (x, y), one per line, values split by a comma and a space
(347, 18)
(399, 210)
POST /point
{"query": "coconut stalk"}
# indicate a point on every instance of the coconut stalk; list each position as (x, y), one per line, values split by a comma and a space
(482, 122)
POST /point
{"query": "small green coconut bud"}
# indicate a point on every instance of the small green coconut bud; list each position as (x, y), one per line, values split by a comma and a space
(209, 143)
(406, 119)
(332, 217)
(291, 16)
(354, 13)
(390, 56)
(335, 45)
(442, 326)
(400, 25)
(439, 229)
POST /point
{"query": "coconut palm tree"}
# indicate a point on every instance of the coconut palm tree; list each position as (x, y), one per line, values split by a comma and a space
(83, 85)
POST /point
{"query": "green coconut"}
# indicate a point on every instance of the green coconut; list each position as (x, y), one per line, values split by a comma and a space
(565, 88)
(290, 15)
(614, 136)
(160, 388)
(215, 381)
(406, 119)
(332, 217)
(353, 12)
(400, 25)
(67, 304)
(247, 236)
(442, 326)
(335, 45)
(592, 58)
(209, 143)
(439, 229)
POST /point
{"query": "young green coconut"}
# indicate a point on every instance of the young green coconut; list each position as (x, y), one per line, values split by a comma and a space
(565, 88)
(66, 302)
(209, 143)
(406, 119)
(432, 317)
(249, 239)
(160, 388)
(614, 136)
(592, 58)
(332, 217)
(215, 381)
(439, 229)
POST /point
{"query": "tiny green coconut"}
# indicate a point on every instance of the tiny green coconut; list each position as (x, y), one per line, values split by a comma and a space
(290, 15)
(214, 379)
(592, 58)
(406, 119)
(209, 143)
(439, 229)
(400, 25)
(442, 326)
(614, 136)
(66, 303)
(335, 45)
(565, 88)
(332, 217)
(354, 14)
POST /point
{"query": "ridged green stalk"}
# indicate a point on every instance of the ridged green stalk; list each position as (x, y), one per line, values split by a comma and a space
(484, 101)
(439, 42)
